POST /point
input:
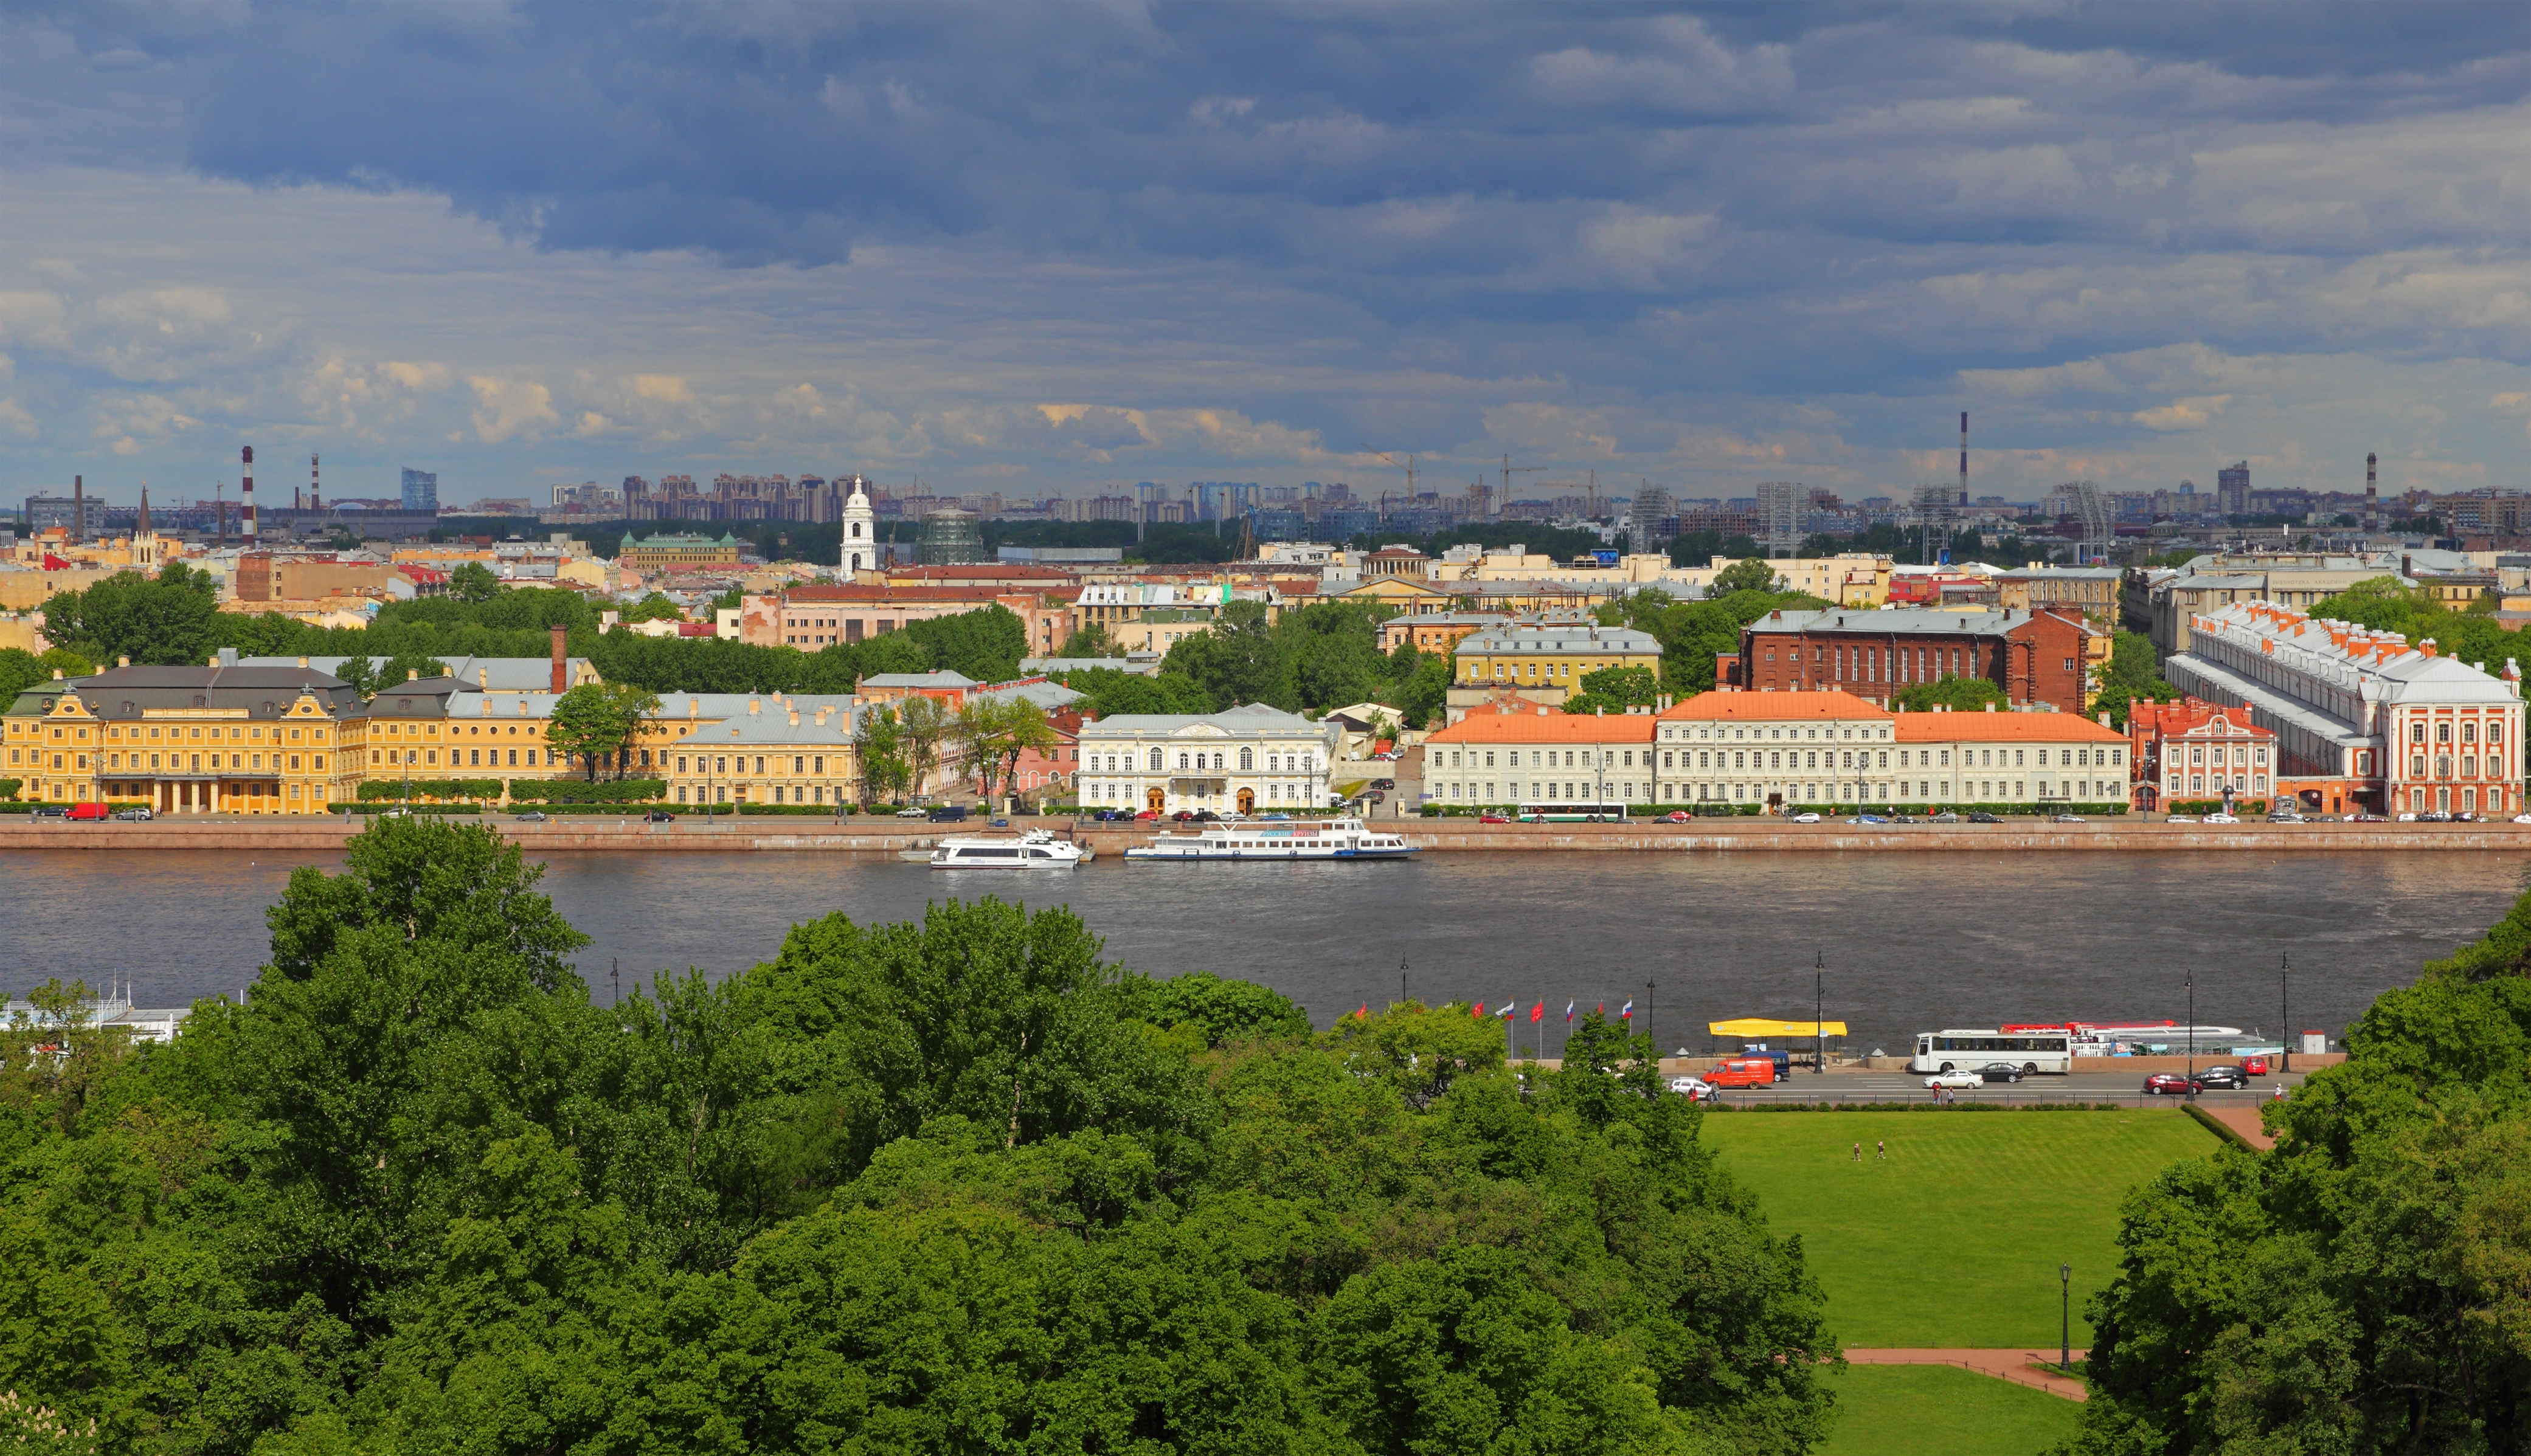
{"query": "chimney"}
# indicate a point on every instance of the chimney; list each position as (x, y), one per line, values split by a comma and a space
(754, 705)
(78, 509)
(123, 662)
(315, 499)
(302, 662)
(483, 678)
(795, 717)
(1990, 708)
(413, 674)
(561, 664)
(246, 496)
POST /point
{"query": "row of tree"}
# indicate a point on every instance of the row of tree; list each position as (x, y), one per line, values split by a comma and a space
(956, 1185)
(981, 741)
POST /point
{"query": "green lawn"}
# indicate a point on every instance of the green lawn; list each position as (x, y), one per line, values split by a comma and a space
(1912, 1409)
(1955, 1240)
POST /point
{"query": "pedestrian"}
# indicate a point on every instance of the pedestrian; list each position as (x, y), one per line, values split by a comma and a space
(1880, 1150)
(1858, 1150)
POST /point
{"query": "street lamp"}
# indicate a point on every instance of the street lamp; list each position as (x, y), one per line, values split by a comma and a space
(2065, 1315)
(1819, 1013)
(2192, 1035)
(2284, 1014)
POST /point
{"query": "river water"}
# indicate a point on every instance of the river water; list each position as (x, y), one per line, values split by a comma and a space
(1908, 942)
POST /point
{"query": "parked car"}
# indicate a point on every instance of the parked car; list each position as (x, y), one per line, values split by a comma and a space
(2407, 819)
(2067, 818)
(1871, 819)
(532, 816)
(948, 814)
(1694, 1089)
(1110, 816)
(2256, 1066)
(2178, 818)
(1206, 817)
(2366, 816)
(136, 814)
(1944, 817)
(2168, 1084)
(1384, 783)
(1682, 816)
(1153, 814)
(2223, 818)
(912, 813)
(1981, 816)
(1002, 823)
(1904, 819)
(2225, 1075)
(1743, 1070)
(1954, 1080)
(1494, 819)
(1806, 818)
(52, 811)
(2464, 816)
(94, 809)
(2434, 816)
(659, 816)
(2001, 1072)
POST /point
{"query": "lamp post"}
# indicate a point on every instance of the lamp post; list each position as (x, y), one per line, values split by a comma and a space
(2065, 1316)
(2192, 1036)
(2284, 1013)
(1401, 982)
(1819, 1013)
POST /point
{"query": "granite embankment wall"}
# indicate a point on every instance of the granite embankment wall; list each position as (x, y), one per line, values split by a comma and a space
(885, 836)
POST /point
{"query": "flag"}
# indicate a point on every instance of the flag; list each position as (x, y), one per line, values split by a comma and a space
(1538, 1013)
(1477, 1010)
(1365, 1012)
(1568, 1013)
(1628, 1010)
(1600, 1010)
(1507, 1008)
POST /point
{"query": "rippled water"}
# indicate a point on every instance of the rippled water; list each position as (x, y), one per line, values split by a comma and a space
(1908, 941)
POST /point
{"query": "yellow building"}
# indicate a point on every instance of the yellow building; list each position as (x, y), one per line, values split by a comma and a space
(1850, 579)
(770, 754)
(1405, 593)
(1543, 661)
(670, 549)
(218, 739)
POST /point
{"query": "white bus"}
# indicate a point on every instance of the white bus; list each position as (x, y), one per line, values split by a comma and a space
(1572, 813)
(1968, 1050)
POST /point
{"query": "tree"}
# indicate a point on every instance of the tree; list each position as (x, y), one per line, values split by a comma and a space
(162, 621)
(1025, 731)
(922, 725)
(20, 670)
(2134, 673)
(588, 722)
(363, 674)
(1089, 640)
(1422, 697)
(1960, 694)
(654, 608)
(975, 736)
(1751, 574)
(876, 754)
(1614, 690)
(1240, 660)
(473, 582)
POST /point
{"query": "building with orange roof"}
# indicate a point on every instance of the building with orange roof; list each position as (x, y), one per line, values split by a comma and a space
(1774, 749)
(2031, 759)
(1515, 754)
(2193, 749)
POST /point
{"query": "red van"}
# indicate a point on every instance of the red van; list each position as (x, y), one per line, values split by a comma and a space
(93, 810)
(1743, 1070)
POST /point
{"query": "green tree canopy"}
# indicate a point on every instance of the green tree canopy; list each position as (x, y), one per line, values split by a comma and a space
(1962, 695)
(1750, 574)
(162, 620)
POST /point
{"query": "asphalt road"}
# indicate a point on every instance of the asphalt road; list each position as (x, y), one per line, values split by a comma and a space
(1905, 1087)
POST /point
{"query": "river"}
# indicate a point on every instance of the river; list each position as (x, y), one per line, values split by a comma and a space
(1908, 942)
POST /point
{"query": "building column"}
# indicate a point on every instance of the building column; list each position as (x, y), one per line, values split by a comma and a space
(214, 790)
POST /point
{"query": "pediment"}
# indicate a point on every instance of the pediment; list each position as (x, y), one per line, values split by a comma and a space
(1201, 730)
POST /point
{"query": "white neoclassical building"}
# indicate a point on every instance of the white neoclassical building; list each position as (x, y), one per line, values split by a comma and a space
(861, 532)
(1253, 758)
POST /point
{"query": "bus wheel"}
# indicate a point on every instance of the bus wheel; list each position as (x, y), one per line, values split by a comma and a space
(1947, 1066)
(2030, 1069)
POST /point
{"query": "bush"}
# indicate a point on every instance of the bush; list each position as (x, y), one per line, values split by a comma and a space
(581, 791)
(2215, 806)
(432, 788)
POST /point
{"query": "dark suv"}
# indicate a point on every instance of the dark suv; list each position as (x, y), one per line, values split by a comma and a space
(2224, 1077)
(949, 813)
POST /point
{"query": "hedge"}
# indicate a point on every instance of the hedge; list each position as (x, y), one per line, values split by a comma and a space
(2215, 806)
(581, 791)
(432, 788)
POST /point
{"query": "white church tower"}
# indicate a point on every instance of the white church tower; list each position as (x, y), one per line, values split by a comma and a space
(861, 535)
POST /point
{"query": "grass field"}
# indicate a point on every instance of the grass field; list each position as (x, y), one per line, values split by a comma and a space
(1954, 1241)
(1911, 1410)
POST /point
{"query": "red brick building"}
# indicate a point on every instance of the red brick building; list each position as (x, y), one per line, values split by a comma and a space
(2195, 750)
(2034, 657)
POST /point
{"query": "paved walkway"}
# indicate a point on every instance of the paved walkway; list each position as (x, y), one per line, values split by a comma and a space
(2020, 1367)
(2240, 1119)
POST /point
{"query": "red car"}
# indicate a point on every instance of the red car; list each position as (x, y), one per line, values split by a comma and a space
(93, 808)
(1148, 814)
(1678, 816)
(2168, 1084)
(1494, 819)
(2256, 1066)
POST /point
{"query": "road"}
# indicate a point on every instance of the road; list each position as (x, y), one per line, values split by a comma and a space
(1906, 1087)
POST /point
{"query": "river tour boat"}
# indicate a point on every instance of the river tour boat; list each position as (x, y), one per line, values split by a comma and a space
(1298, 839)
(1035, 850)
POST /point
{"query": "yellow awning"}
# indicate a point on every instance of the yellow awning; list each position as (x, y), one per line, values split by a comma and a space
(1756, 1026)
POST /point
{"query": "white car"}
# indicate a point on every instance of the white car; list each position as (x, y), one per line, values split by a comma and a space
(1806, 818)
(1694, 1089)
(2407, 819)
(2522, 819)
(2222, 819)
(2178, 818)
(914, 813)
(1955, 1081)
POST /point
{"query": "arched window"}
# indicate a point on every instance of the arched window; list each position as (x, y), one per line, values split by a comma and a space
(1182, 761)
(1246, 760)
(857, 531)
(1156, 761)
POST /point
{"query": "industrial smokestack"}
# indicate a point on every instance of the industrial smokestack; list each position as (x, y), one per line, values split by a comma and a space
(2372, 496)
(315, 497)
(79, 508)
(246, 496)
(1964, 457)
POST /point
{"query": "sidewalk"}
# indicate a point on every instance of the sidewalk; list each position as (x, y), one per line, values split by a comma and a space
(2020, 1367)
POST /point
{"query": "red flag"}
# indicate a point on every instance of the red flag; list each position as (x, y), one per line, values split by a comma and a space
(1365, 1012)
(1538, 1013)
(1477, 1012)
(1600, 1010)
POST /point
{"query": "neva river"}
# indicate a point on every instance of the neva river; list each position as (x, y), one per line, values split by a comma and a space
(1909, 942)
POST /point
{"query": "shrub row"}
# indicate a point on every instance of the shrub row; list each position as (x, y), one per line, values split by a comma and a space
(2215, 806)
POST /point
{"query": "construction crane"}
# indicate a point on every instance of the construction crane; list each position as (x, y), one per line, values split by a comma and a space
(1511, 469)
(1408, 466)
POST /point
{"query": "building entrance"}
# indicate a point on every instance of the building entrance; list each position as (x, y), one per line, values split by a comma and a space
(1156, 799)
(1248, 801)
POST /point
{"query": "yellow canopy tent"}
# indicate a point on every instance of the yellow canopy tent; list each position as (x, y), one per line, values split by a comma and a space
(1752, 1026)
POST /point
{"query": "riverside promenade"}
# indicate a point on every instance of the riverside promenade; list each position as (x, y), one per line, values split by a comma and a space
(887, 836)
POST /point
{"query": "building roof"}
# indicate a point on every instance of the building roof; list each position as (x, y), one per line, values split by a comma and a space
(2193, 715)
(938, 677)
(1561, 637)
(2065, 574)
(1545, 725)
(495, 674)
(1889, 621)
(2005, 727)
(770, 724)
(261, 692)
(982, 594)
(1050, 696)
(1774, 707)
(1253, 717)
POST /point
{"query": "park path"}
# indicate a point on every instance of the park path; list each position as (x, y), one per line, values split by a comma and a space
(2020, 1367)
(2242, 1120)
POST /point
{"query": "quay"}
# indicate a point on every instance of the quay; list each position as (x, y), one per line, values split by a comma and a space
(883, 836)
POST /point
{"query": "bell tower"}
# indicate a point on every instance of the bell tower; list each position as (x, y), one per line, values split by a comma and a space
(860, 543)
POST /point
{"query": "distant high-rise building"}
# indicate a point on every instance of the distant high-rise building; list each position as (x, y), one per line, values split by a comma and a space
(421, 491)
(1779, 514)
(1651, 520)
(2232, 489)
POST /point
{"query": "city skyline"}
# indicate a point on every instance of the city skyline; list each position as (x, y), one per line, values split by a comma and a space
(1069, 250)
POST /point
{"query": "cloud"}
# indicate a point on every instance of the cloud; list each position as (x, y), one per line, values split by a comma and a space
(2187, 414)
(421, 378)
(15, 419)
(506, 409)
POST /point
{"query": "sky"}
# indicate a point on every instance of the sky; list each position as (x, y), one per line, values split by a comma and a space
(1057, 246)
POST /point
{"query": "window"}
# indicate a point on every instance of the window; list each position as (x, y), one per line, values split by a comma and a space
(2442, 733)
(2469, 733)
(1156, 761)
(1246, 760)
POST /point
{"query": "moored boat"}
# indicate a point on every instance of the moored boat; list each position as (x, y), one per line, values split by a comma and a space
(1298, 839)
(1035, 850)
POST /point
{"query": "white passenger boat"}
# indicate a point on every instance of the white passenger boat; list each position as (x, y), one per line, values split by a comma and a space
(1035, 850)
(1299, 839)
